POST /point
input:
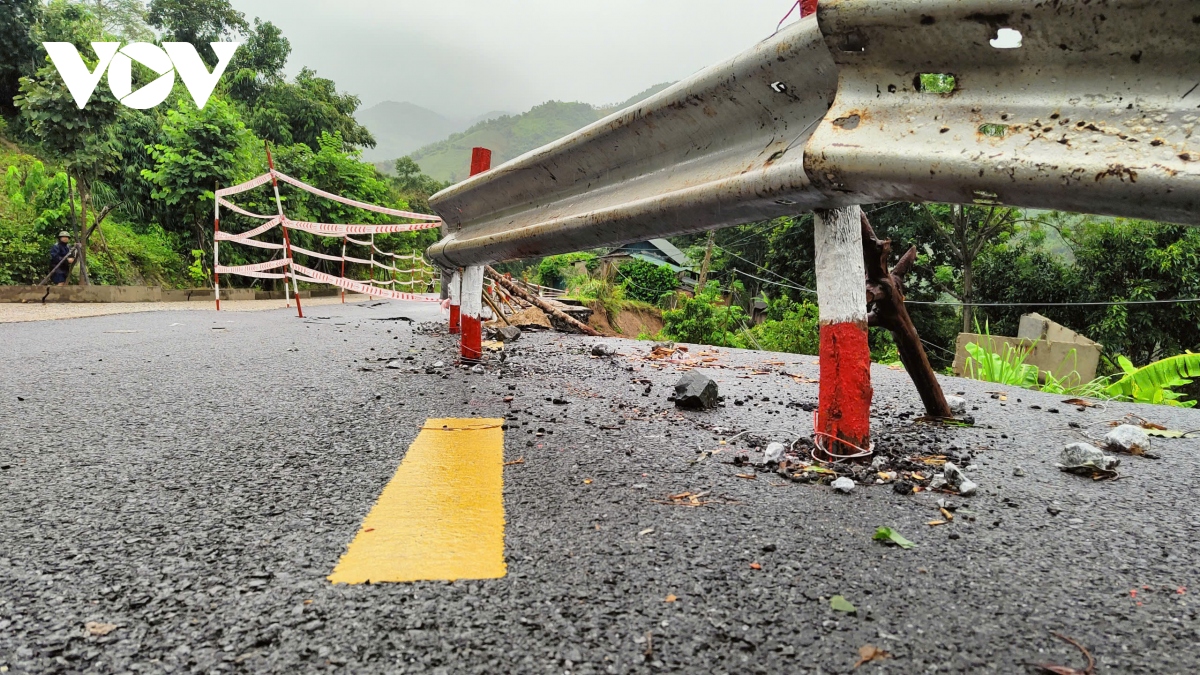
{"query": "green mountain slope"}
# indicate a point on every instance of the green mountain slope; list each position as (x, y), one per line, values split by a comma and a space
(511, 136)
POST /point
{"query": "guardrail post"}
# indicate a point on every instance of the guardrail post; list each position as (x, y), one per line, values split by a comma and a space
(472, 313)
(455, 301)
(843, 424)
(472, 282)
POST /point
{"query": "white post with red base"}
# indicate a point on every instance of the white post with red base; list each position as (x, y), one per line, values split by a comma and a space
(843, 421)
(455, 301)
(472, 313)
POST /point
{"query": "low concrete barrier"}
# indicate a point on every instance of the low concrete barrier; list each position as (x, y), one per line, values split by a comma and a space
(80, 294)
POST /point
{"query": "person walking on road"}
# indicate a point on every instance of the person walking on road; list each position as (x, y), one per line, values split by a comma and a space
(62, 250)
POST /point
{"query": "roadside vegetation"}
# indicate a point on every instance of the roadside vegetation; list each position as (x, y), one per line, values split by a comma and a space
(136, 187)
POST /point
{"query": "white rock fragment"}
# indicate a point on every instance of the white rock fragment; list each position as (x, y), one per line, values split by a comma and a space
(843, 485)
(774, 453)
(958, 404)
(1129, 439)
(1084, 457)
(958, 480)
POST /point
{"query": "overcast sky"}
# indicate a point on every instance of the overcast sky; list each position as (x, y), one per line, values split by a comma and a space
(467, 57)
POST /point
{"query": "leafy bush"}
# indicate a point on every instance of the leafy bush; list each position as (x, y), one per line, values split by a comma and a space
(1155, 382)
(550, 270)
(796, 331)
(646, 281)
(704, 320)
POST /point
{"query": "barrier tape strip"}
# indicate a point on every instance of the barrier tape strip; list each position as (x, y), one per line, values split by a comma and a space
(234, 236)
(366, 289)
(244, 187)
(258, 267)
(360, 243)
(360, 261)
(357, 204)
(322, 256)
(237, 209)
(260, 275)
(339, 230)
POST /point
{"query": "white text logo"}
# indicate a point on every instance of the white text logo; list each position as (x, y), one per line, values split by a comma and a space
(117, 61)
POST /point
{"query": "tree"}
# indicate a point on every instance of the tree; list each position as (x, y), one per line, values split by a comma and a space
(197, 150)
(966, 231)
(198, 22)
(82, 138)
(303, 110)
(18, 48)
(125, 19)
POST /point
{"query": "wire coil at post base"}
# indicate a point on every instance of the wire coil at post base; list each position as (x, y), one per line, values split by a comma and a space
(834, 457)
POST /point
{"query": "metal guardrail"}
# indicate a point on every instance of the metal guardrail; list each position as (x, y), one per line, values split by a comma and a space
(1096, 111)
(721, 148)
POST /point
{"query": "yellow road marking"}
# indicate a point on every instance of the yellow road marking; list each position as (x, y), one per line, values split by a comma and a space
(441, 517)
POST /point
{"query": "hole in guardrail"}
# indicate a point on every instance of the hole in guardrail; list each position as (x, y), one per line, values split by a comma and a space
(986, 198)
(853, 42)
(849, 123)
(996, 130)
(936, 83)
(1007, 38)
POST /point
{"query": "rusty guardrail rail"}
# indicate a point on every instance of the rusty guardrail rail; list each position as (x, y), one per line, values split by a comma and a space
(1096, 111)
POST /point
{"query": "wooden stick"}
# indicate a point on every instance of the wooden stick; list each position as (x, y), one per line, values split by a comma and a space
(540, 303)
(885, 294)
(496, 310)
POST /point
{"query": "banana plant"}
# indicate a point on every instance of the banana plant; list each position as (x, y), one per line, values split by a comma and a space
(1154, 383)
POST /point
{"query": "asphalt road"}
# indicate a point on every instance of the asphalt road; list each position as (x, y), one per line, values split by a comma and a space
(193, 478)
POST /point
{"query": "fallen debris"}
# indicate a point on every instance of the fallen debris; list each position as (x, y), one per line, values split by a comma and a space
(774, 453)
(99, 629)
(603, 350)
(958, 480)
(696, 392)
(889, 536)
(843, 485)
(869, 653)
(840, 604)
(958, 404)
(509, 333)
(1051, 669)
(1088, 460)
(1128, 439)
(530, 318)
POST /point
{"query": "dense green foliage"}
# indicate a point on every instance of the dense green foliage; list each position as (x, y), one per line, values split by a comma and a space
(1015, 257)
(706, 319)
(141, 182)
(646, 281)
(553, 271)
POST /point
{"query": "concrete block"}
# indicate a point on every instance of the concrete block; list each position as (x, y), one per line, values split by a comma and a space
(1074, 361)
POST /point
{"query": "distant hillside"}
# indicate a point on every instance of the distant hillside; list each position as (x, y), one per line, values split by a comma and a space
(400, 128)
(511, 136)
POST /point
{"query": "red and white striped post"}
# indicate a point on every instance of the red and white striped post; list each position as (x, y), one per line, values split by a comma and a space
(455, 292)
(216, 258)
(472, 282)
(843, 422)
(287, 240)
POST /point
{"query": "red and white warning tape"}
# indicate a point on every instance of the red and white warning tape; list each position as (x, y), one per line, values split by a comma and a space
(314, 276)
(257, 267)
(351, 202)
